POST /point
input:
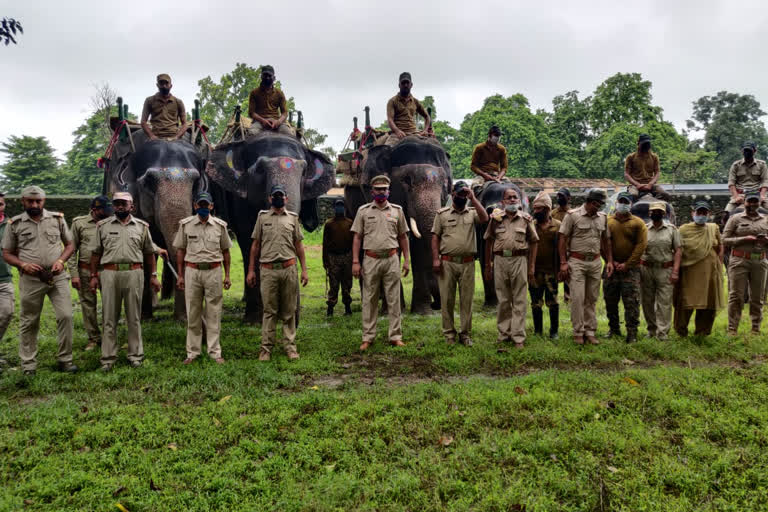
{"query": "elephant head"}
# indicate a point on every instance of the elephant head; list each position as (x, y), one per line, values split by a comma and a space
(249, 168)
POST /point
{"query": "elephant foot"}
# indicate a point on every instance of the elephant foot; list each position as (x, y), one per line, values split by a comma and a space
(421, 309)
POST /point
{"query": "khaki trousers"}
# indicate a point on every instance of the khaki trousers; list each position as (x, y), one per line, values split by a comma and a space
(510, 278)
(656, 292)
(585, 289)
(32, 292)
(7, 305)
(279, 294)
(89, 304)
(743, 273)
(376, 272)
(120, 287)
(463, 276)
(202, 285)
(284, 129)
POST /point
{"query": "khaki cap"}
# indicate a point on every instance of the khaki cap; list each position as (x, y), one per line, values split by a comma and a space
(122, 196)
(380, 180)
(33, 191)
(658, 206)
(164, 76)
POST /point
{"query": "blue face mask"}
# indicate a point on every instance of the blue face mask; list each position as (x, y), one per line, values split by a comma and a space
(339, 211)
(203, 212)
(623, 207)
(700, 219)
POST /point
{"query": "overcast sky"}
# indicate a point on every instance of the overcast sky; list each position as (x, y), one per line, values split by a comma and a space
(334, 57)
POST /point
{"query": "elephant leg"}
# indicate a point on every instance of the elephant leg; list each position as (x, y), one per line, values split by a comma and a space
(254, 309)
(180, 307)
(490, 293)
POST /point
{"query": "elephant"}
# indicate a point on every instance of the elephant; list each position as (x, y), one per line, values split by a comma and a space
(420, 172)
(241, 174)
(163, 177)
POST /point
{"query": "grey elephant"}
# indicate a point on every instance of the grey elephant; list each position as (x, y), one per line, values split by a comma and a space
(241, 174)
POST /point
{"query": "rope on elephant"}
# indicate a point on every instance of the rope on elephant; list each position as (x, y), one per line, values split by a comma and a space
(103, 161)
(199, 125)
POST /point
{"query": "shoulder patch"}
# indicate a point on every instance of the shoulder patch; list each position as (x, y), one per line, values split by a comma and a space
(140, 221)
(219, 221)
(185, 220)
(574, 210)
(441, 210)
(57, 214)
(291, 213)
(396, 206)
(80, 217)
(103, 221)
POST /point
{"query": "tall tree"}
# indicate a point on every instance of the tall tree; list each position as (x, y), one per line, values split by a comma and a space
(622, 98)
(29, 161)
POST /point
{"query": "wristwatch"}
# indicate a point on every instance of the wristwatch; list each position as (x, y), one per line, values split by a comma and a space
(154, 274)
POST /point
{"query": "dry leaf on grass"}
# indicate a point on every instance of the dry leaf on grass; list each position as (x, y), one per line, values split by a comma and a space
(630, 381)
(173, 446)
(520, 391)
(118, 491)
(216, 421)
(446, 440)
(121, 507)
(224, 399)
(612, 469)
(153, 486)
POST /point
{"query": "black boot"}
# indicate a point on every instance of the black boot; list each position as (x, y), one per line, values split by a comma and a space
(631, 336)
(538, 320)
(329, 312)
(554, 321)
(347, 309)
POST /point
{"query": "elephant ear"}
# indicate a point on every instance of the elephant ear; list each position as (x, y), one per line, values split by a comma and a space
(445, 163)
(376, 162)
(228, 169)
(319, 175)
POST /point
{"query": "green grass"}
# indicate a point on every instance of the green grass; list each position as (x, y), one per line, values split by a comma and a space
(681, 425)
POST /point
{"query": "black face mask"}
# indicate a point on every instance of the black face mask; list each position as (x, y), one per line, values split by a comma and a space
(645, 146)
(657, 217)
(748, 154)
(267, 82)
(165, 91)
(459, 202)
(122, 214)
(541, 217)
(562, 201)
(339, 211)
(278, 201)
(34, 212)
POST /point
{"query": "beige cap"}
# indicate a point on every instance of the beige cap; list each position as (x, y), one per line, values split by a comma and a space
(122, 196)
(380, 180)
(34, 192)
(164, 76)
(657, 206)
(543, 199)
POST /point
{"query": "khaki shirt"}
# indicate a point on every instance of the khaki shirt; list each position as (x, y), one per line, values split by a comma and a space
(489, 158)
(748, 177)
(83, 232)
(456, 230)
(547, 252)
(403, 111)
(39, 242)
(277, 234)
(164, 114)
(584, 232)
(511, 233)
(267, 103)
(380, 227)
(122, 243)
(662, 243)
(741, 225)
(203, 242)
(559, 214)
(642, 166)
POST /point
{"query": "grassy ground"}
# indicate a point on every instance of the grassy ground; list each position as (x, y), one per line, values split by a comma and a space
(681, 425)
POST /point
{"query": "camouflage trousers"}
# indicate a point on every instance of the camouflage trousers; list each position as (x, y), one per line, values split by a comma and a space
(624, 286)
(543, 290)
(339, 270)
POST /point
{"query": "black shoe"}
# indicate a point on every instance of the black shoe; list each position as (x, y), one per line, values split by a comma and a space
(553, 335)
(538, 320)
(329, 311)
(106, 368)
(631, 337)
(613, 334)
(68, 368)
(347, 310)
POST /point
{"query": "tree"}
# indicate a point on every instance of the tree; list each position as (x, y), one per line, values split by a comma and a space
(8, 29)
(696, 166)
(314, 140)
(30, 161)
(726, 120)
(569, 120)
(622, 98)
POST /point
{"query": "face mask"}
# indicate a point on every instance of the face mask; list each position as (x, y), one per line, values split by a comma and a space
(751, 208)
(339, 211)
(748, 154)
(267, 82)
(700, 219)
(122, 214)
(165, 91)
(541, 217)
(459, 202)
(278, 201)
(623, 207)
(645, 146)
(656, 217)
(203, 212)
(562, 200)
(34, 212)
(381, 197)
(495, 139)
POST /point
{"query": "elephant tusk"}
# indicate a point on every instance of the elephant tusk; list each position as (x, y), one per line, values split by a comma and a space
(414, 228)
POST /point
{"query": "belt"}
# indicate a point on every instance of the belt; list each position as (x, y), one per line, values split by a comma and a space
(87, 266)
(748, 255)
(657, 264)
(457, 259)
(585, 256)
(279, 264)
(378, 255)
(203, 266)
(122, 266)
(509, 253)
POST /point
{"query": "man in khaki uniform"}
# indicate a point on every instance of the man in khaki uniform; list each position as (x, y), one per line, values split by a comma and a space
(202, 244)
(121, 243)
(746, 174)
(379, 228)
(83, 232)
(659, 271)
(583, 236)
(642, 171)
(489, 158)
(563, 204)
(164, 111)
(401, 113)
(267, 106)
(276, 246)
(454, 245)
(747, 235)
(511, 237)
(39, 243)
